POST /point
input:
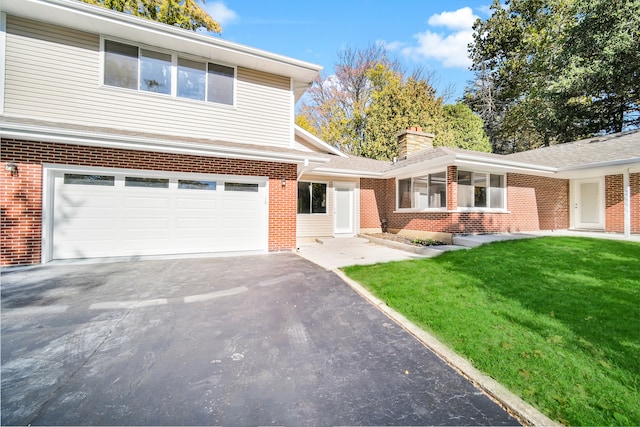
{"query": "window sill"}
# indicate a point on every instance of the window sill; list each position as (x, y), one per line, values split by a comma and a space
(482, 210)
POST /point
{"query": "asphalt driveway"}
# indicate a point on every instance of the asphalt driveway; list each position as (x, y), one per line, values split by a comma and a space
(238, 341)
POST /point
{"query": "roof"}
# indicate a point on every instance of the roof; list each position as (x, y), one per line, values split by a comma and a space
(598, 155)
(98, 20)
(619, 147)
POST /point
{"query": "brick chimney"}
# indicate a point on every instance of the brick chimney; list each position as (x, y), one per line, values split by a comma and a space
(413, 140)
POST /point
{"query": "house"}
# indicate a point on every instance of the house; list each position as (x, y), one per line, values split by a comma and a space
(126, 137)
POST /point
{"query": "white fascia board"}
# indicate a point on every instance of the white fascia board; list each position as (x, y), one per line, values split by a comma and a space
(95, 19)
(127, 142)
(314, 140)
(344, 172)
(421, 167)
(479, 162)
(602, 168)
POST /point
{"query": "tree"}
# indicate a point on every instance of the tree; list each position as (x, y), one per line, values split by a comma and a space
(361, 108)
(467, 127)
(554, 71)
(182, 13)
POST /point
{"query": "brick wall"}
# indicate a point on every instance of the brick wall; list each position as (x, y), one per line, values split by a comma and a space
(534, 203)
(21, 195)
(614, 202)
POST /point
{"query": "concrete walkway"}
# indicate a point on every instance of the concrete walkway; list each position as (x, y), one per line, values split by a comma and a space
(334, 253)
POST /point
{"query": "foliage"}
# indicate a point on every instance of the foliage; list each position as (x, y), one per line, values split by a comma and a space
(361, 108)
(554, 71)
(553, 319)
(467, 127)
(182, 13)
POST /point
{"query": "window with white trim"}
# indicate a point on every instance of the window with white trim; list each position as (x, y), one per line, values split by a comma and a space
(132, 67)
(481, 190)
(312, 197)
(423, 192)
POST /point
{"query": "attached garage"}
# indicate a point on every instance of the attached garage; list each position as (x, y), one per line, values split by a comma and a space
(107, 213)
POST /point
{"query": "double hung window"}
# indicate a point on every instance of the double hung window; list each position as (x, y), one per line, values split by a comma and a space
(131, 67)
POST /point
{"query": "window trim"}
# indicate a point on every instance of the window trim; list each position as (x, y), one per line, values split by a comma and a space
(174, 72)
(412, 178)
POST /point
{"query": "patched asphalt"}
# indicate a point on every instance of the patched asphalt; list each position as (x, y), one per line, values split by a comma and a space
(237, 341)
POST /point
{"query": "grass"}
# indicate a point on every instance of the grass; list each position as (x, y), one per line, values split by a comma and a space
(556, 320)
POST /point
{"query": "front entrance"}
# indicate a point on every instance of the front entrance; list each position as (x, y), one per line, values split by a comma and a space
(343, 207)
(588, 204)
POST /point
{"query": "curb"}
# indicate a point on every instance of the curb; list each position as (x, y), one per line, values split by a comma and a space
(521, 410)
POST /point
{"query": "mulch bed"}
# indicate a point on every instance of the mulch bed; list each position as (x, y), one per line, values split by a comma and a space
(407, 240)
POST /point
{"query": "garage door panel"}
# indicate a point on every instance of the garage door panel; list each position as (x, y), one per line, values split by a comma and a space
(142, 201)
(119, 220)
(199, 203)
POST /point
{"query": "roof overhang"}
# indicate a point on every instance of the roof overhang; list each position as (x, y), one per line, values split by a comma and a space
(98, 20)
(28, 132)
(600, 169)
(471, 161)
(317, 142)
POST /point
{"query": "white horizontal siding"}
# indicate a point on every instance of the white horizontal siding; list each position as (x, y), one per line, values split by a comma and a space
(321, 225)
(53, 74)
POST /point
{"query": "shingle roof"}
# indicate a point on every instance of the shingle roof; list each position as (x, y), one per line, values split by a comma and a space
(608, 148)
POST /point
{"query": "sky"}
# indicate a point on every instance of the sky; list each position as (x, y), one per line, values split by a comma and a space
(428, 34)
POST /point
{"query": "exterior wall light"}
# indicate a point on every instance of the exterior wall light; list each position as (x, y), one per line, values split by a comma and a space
(12, 168)
(284, 182)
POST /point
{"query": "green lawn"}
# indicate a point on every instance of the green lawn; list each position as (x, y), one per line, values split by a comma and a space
(556, 320)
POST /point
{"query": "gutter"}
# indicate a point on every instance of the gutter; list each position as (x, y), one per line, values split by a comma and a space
(128, 142)
(347, 172)
(609, 163)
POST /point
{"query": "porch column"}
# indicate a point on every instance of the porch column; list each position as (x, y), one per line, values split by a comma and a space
(452, 188)
(626, 188)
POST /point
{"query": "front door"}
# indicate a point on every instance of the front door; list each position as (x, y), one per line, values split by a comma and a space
(343, 207)
(589, 204)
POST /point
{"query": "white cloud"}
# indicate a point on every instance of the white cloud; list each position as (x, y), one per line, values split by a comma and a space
(446, 47)
(221, 13)
(391, 46)
(461, 19)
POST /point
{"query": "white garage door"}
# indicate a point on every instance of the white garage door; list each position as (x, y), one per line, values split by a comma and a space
(100, 214)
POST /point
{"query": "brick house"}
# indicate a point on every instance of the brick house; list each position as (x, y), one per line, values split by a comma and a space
(127, 137)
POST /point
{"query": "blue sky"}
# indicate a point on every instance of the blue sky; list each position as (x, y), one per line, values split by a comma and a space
(430, 34)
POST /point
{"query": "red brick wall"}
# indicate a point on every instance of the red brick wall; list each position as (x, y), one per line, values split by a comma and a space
(634, 181)
(614, 202)
(21, 195)
(534, 203)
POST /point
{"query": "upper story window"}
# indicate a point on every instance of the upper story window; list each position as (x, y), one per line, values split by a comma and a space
(132, 67)
(480, 190)
(423, 192)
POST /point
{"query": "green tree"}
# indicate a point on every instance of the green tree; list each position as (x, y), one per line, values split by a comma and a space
(467, 127)
(182, 13)
(553, 71)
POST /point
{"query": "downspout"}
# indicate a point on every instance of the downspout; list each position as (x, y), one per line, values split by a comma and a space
(303, 169)
(627, 203)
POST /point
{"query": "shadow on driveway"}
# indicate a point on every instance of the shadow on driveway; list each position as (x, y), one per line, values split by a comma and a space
(244, 341)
